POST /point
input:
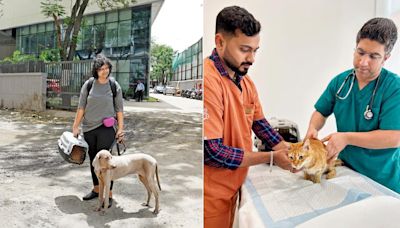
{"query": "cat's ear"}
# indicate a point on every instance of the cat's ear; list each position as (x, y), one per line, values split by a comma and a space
(306, 145)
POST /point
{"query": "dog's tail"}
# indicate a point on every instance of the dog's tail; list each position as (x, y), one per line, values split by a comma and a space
(158, 180)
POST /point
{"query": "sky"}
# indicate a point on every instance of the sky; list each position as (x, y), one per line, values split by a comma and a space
(179, 23)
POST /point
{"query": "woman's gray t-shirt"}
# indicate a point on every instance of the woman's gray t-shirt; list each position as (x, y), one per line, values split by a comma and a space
(99, 104)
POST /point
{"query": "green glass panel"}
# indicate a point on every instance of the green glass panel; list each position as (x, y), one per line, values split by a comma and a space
(89, 20)
(25, 30)
(125, 14)
(112, 16)
(99, 36)
(41, 27)
(111, 34)
(49, 26)
(33, 29)
(99, 18)
(124, 33)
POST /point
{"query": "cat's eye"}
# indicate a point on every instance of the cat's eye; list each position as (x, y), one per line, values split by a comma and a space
(291, 157)
(301, 157)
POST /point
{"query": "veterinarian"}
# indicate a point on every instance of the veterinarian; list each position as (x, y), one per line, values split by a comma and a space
(231, 111)
(96, 111)
(366, 103)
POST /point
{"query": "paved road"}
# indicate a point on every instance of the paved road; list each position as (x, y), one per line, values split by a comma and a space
(39, 189)
(181, 103)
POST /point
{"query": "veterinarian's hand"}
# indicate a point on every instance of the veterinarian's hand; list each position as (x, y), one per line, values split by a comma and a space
(281, 159)
(75, 131)
(312, 133)
(336, 143)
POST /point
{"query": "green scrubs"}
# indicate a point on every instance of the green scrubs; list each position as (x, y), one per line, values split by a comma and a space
(381, 165)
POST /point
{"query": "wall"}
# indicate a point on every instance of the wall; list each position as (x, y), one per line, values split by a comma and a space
(31, 13)
(6, 50)
(304, 44)
(24, 91)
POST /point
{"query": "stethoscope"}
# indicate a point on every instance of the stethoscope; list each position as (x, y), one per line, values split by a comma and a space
(368, 114)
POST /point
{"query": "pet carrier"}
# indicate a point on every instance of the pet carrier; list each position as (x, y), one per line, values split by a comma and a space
(72, 149)
(286, 128)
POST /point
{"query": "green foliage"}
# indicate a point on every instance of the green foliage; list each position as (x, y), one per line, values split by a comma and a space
(17, 57)
(50, 55)
(161, 62)
(112, 4)
(50, 8)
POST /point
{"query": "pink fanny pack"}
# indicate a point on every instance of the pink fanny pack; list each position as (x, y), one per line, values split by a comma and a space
(109, 121)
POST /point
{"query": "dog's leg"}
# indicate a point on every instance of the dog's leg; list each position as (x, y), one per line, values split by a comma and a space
(151, 179)
(101, 191)
(107, 180)
(146, 184)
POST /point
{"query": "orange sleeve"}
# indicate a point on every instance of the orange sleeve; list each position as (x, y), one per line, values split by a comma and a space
(213, 106)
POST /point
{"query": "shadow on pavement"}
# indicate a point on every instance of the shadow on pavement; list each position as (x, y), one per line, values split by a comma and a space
(73, 205)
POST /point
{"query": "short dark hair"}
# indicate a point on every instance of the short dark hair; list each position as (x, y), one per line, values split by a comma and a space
(98, 62)
(381, 30)
(234, 17)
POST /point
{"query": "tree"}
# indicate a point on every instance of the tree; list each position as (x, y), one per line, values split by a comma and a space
(18, 57)
(67, 28)
(161, 62)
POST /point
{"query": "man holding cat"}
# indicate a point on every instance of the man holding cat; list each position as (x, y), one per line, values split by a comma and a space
(231, 111)
(366, 104)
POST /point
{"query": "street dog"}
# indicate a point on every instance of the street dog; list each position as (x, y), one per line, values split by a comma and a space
(109, 168)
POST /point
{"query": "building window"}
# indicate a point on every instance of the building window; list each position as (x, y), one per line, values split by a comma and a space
(119, 34)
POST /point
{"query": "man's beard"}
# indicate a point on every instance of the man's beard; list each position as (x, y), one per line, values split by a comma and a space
(236, 69)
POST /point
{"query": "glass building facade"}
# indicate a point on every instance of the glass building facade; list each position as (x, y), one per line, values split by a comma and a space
(188, 65)
(122, 35)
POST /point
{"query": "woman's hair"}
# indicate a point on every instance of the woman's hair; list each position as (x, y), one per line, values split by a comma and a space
(98, 62)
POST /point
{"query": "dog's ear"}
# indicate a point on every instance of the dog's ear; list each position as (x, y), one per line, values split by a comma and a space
(96, 164)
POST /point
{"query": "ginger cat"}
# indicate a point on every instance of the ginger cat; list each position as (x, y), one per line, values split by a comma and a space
(311, 156)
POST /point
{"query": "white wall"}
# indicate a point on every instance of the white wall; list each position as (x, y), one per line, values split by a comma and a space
(23, 91)
(303, 45)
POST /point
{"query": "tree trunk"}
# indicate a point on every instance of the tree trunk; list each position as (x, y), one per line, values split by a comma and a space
(75, 29)
(58, 31)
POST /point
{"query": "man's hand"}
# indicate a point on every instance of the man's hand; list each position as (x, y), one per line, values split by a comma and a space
(281, 159)
(336, 143)
(312, 133)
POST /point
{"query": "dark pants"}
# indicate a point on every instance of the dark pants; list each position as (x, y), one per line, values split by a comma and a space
(139, 95)
(98, 139)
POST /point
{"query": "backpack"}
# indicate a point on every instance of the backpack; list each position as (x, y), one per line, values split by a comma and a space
(112, 85)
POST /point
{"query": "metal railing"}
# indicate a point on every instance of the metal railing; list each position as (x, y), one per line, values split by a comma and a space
(64, 82)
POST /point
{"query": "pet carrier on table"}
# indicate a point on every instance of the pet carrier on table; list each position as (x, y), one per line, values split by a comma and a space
(72, 149)
(286, 128)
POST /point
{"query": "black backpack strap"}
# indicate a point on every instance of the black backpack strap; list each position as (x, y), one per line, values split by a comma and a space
(89, 85)
(113, 88)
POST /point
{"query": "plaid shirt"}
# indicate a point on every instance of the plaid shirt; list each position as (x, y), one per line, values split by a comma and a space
(218, 155)
(266, 133)
(221, 156)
